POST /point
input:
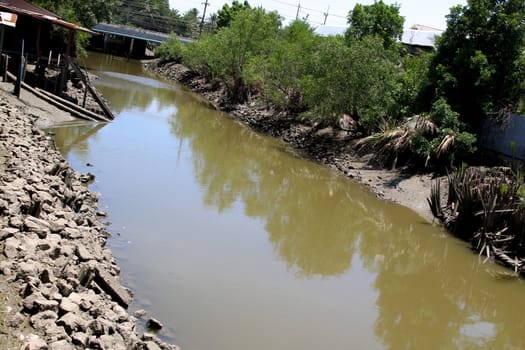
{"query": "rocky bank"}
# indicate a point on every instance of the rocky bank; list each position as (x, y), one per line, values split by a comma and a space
(59, 284)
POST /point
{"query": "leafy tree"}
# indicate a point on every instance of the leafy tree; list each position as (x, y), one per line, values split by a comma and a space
(226, 54)
(285, 73)
(189, 23)
(150, 14)
(358, 79)
(479, 67)
(377, 19)
(84, 12)
(172, 49)
(415, 69)
(442, 137)
(227, 13)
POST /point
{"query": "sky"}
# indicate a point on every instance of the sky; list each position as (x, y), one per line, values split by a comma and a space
(426, 12)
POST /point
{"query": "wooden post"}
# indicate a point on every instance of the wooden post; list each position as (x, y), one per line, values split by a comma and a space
(18, 82)
(39, 30)
(65, 71)
(6, 64)
(131, 47)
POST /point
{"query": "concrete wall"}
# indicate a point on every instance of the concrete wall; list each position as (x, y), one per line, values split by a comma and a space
(498, 138)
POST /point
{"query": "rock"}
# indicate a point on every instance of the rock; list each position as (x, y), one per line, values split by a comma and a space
(72, 323)
(154, 324)
(140, 313)
(16, 320)
(79, 339)
(112, 287)
(42, 304)
(27, 269)
(347, 123)
(34, 342)
(113, 342)
(61, 345)
(83, 253)
(38, 226)
(8, 232)
(43, 320)
(11, 247)
(151, 345)
(66, 305)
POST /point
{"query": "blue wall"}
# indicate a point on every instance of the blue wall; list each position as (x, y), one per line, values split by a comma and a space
(498, 138)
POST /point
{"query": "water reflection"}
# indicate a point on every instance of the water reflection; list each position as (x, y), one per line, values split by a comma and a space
(354, 266)
(432, 294)
(75, 137)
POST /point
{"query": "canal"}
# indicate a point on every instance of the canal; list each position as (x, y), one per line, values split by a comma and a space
(234, 242)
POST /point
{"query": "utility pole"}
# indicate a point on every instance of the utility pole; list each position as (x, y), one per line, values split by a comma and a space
(326, 15)
(203, 16)
(298, 10)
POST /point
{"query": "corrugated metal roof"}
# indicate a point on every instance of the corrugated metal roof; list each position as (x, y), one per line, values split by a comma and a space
(425, 38)
(22, 7)
(414, 36)
(131, 32)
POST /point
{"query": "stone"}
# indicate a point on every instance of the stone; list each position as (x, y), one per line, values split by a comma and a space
(38, 226)
(61, 345)
(8, 232)
(79, 339)
(154, 324)
(27, 269)
(83, 253)
(16, 320)
(66, 305)
(11, 247)
(43, 304)
(97, 327)
(55, 333)
(34, 342)
(151, 345)
(72, 323)
(43, 320)
(140, 313)
(112, 287)
(113, 342)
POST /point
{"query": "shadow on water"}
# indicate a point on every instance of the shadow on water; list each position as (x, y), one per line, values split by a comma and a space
(204, 198)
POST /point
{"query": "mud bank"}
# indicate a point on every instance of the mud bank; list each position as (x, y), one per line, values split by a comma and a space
(59, 284)
(329, 145)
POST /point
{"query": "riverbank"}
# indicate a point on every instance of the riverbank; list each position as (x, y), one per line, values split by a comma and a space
(331, 146)
(59, 284)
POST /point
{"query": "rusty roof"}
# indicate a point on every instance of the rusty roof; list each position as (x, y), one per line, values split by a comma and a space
(22, 7)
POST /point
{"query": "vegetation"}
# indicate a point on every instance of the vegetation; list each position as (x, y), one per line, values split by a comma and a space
(487, 207)
(86, 13)
(479, 66)
(425, 109)
(227, 13)
(378, 19)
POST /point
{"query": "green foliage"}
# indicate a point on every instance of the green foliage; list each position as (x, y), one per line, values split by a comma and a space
(286, 72)
(227, 54)
(227, 13)
(415, 69)
(443, 136)
(84, 12)
(479, 66)
(377, 19)
(358, 79)
(200, 56)
(172, 49)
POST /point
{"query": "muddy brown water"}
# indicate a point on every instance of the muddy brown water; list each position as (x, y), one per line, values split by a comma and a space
(234, 242)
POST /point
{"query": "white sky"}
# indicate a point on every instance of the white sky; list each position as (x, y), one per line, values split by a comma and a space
(426, 12)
